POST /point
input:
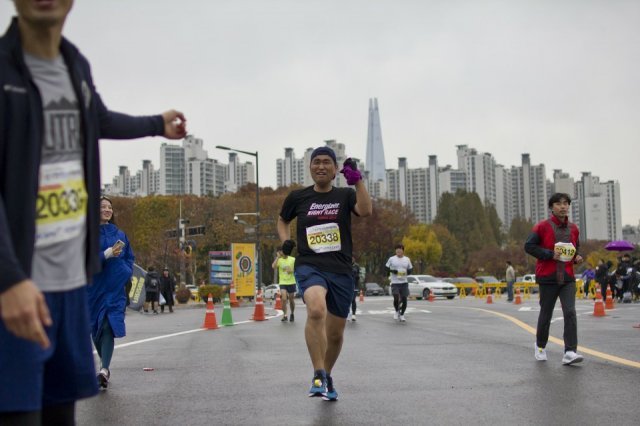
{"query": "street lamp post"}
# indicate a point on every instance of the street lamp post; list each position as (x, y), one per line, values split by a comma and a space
(258, 251)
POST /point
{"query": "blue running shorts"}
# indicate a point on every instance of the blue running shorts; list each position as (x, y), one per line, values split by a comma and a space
(339, 287)
(32, 377)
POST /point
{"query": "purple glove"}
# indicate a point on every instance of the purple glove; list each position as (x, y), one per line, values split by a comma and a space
(351, 172)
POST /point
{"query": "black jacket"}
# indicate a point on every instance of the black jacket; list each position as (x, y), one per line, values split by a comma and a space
(21, 128)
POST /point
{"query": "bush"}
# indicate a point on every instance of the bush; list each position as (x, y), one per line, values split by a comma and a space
(215, 290)
(183, 294)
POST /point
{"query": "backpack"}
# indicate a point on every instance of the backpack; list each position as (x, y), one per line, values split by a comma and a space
(153, 284)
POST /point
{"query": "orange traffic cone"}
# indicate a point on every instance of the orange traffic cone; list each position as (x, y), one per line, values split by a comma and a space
(609, 303)
(361, 296)
(258, 312)
(233, 300)
(518, 300)
(489, 298)
(278, 306)
(210, 322)
(598, 307)
(431, 297)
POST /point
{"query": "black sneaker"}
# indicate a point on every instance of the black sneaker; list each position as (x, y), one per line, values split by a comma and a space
(318, 384)
(291, 318)
(284, 318)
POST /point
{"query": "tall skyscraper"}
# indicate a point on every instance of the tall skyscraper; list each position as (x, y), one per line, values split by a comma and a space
(375, 163)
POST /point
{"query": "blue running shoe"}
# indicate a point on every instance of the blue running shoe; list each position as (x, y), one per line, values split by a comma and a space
(318, 384)
(331, 394)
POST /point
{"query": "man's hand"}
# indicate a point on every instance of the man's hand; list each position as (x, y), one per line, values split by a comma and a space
(25, 313)
(175, 124)
(578, 259)
(351, 172)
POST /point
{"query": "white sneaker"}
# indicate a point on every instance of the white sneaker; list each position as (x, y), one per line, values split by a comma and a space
(541, 353)
(396, 315)
(353, 317)
(402, 318)
(349, 317)
(570, 357)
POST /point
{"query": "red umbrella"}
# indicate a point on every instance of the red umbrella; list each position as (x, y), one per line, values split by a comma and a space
(620, 245)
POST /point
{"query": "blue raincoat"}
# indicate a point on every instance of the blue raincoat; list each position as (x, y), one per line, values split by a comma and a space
(106, 295)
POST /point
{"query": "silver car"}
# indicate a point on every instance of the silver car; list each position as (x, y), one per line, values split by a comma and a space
(421, 286)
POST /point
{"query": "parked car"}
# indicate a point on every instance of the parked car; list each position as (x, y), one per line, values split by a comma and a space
(421, 286)
(373, 289)
(270, 291)
(487, 281)
(530, 279)
(461, 280)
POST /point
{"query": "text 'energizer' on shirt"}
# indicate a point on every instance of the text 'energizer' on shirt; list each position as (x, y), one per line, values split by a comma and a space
(323, 228)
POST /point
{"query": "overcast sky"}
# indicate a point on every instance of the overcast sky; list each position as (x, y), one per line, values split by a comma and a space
(556, 79)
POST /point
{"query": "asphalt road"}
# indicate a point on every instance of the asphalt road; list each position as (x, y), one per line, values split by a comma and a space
(459, 362)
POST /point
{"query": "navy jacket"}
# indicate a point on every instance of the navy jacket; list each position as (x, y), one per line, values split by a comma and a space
(21, 127)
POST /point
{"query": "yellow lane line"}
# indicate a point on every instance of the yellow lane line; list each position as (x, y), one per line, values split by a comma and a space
(557, 341)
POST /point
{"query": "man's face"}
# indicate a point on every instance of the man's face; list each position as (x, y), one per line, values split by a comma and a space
(560, 208)
(399, 252)
(45, 13)
(323, 169)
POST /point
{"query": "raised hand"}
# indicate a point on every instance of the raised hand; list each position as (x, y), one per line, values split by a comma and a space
(175, 124)
(351, 172)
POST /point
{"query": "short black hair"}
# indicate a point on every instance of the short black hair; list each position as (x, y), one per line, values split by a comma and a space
(508, 262)
(399, 246)
(559, 196)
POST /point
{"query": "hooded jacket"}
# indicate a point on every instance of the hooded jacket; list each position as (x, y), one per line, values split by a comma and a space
(105, 295)
(21, 138)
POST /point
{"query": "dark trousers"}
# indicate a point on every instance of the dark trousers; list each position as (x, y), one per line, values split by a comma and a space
(603, 289)
(548, 296)
(353, 303)
(509, 291)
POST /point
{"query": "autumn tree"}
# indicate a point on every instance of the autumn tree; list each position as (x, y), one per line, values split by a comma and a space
(421, 245)
(375, 236)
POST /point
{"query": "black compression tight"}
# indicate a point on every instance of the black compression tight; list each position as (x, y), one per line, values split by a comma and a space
(397, 301)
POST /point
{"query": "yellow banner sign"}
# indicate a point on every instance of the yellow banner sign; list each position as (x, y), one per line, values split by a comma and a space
(244, 273)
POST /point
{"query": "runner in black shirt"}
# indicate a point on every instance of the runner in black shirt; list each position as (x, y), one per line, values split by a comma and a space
(323, 265)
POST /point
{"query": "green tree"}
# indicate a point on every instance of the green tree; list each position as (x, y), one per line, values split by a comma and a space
(519, 230)
(464, 216)
(494, 223)
(452, 259)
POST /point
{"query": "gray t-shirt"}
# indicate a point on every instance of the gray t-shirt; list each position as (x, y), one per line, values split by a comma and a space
(61, 207)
